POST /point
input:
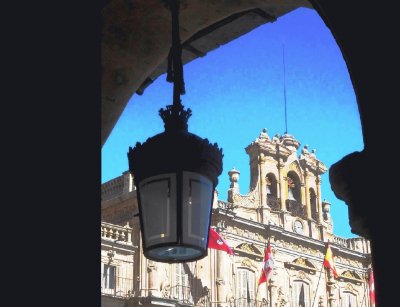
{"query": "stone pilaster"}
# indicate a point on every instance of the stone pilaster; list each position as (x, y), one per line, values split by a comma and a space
(272, 293)
(282, 185)
(319, 200)
(263, 181)
(220, 281)
(307, 194)
(331, 286)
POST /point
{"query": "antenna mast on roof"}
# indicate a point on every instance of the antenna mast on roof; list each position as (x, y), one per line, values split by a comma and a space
(284, 85)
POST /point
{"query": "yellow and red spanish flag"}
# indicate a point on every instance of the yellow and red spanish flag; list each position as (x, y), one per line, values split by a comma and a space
(328, 260)
(215, 241)
(268, 265)
(371, 287)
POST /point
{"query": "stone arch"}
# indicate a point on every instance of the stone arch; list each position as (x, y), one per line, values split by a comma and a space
(293, 186)
(295, 167)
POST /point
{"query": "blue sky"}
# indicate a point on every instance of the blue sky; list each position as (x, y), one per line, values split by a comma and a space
(237, 90)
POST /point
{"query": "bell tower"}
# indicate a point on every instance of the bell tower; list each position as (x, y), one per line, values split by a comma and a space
(285, 188)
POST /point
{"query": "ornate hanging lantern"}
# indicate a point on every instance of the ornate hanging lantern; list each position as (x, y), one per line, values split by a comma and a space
(175, 174)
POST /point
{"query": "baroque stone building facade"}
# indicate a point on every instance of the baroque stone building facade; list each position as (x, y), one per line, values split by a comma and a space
(283, 206)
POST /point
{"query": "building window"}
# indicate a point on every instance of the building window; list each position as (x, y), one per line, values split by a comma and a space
(300, 294)
(184, 282)
(108, 277)
(245, 284)
(348, 300)
(271, 185)
(293, 185)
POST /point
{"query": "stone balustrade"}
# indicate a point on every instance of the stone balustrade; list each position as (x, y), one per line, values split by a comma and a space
(340, 241)
(116, 233)
(357, 244)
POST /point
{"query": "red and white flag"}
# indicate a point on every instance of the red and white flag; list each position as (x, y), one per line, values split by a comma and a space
(215, 241)
(268, 265)
(328, 261)
(371, 287)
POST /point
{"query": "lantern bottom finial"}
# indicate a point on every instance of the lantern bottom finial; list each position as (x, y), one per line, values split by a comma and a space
(174, 254)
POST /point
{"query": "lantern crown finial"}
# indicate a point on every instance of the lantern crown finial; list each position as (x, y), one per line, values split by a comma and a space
(175, 117)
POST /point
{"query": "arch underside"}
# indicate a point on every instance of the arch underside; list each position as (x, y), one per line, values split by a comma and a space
(136, 40)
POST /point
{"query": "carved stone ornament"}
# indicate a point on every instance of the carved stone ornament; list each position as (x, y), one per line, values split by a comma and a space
(349, 287)
(248, 200)
(282, 299)
(321, 302)
(165, 288)
(249, 248)
(350, 276)
(302, 275)
(110, 255)
(151, 266)
(246, 262)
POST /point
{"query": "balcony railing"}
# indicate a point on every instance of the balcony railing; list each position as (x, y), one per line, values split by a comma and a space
(273, 202)
(296, 208)
(356, 244)
(116, 286)
(244, 302)
(183, 294)
(115, 232)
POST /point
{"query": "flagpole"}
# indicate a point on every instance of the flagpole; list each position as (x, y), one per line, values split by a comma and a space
(316, 290)
(266, 283)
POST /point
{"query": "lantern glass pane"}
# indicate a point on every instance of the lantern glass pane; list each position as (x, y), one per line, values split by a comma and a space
(158, 209)
(197, 195)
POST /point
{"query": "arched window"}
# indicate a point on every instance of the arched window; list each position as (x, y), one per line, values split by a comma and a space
(348, 300)
(294, 201)
(293, 185)
(313, 204)
(272, 191)
(245, 285)
(271, 185)
(300, 294)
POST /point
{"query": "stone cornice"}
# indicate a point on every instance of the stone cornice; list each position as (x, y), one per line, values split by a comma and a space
(120, 247)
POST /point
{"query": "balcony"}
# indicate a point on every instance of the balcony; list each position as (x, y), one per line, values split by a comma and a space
(244, 302)
(116, 286)
(273, 202)
(314, 215)
(296, 208)
(116, 232)
(357, 244)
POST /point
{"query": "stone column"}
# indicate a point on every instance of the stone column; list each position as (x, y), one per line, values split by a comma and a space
(319, 201)
(152, 276)
(331, 285)
(303, 193)
(282, 185)
(263, 189)
(307, 194)
(272, 293)
(220, 281)
(263, 181)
